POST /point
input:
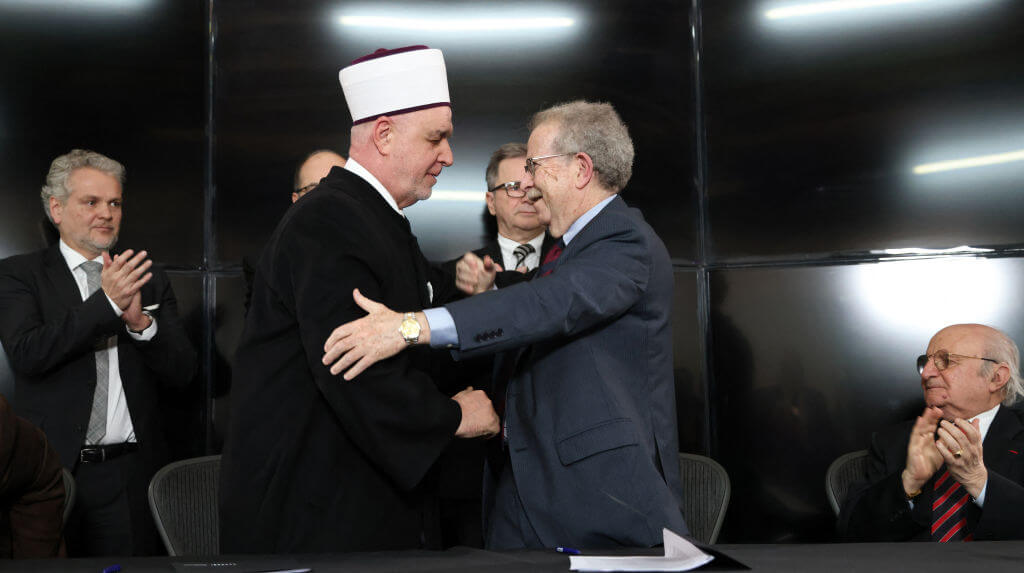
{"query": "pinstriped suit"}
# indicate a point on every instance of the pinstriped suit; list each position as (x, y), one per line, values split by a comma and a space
(590, 404)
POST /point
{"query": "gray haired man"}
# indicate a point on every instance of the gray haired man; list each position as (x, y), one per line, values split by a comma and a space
(956, 473)
(92, 336)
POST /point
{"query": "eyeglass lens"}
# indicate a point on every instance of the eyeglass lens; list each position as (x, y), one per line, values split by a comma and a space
(941, 358)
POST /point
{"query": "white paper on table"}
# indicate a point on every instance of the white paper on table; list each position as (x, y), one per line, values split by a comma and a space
(680, 555)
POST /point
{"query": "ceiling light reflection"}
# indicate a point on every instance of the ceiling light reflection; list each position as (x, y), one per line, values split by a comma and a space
(446, 24)
(969, 162)
(920, 251)
(930, 294)
(77, 4)
(817, 8)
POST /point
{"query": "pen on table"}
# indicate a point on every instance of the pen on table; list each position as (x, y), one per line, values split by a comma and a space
(112, 569)
(567, 550)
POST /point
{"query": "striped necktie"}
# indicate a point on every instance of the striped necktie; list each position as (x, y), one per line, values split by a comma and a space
(949, 510)
(520, 253)
(98, 417)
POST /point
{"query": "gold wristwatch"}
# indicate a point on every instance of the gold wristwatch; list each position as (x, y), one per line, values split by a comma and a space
(410, 328)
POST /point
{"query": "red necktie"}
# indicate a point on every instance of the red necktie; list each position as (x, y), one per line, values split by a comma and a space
(949, 510)
(549, 260)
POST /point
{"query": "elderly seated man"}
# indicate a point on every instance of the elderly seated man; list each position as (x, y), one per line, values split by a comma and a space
(957, 472)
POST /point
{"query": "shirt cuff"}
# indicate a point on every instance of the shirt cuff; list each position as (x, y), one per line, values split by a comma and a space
(148, 333)
(442, 328)
(117, 309)
(980, 500)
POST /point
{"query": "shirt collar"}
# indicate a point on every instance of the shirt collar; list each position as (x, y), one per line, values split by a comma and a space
(73, 258)
(985, 420)
(507, 243)
(583, 219)
(354, 167)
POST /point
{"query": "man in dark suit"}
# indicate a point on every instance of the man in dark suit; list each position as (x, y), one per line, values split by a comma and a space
(957, 472)
(589, 411)
(518, 242)
(312, 463)
(92, 338)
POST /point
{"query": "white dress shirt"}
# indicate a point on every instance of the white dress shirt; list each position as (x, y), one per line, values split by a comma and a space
(508, 258)
(119, 420)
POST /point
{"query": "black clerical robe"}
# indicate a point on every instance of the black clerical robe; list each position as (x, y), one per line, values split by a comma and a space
(314, 463)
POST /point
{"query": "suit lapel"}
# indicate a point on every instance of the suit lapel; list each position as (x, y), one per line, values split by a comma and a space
(60, 277)
(1004, 444)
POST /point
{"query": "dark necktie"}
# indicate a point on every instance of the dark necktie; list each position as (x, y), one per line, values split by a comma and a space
(552, 257)
(98, 417)
(949, 510)
(520, 253)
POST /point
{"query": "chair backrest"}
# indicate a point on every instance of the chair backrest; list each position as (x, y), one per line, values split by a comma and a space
(706, 492)
(847, 469)
(183, 499)
(69, 493)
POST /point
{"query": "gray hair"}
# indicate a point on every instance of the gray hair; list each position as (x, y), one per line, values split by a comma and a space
(61, 169)
(1002, 348)
(507, 151)
(597, 130)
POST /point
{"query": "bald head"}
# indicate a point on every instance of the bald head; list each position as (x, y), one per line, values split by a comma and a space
(970, 368)
(313, 169)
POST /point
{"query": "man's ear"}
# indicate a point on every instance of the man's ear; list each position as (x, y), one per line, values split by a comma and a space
(1000, 376)
(489, 197)
(56, 210)
(584, 166)
(383, 134)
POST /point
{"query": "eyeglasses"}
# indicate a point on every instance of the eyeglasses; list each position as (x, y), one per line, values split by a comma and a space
(305, 189)
(512, 189)
(532, 163)
(941, 358)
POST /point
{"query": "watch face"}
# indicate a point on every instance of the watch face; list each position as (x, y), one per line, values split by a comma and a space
(409, 328)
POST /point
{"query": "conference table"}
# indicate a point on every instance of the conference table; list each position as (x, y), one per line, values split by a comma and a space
(992, 556)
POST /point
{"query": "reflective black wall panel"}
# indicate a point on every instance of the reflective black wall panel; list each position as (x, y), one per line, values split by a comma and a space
(278, 97)
(833, 133)
(125, 79)
(691, 391)
(807, 362)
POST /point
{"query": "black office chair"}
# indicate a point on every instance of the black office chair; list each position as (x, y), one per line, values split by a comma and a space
(69, 493)
(183, 499)
(706, 492)
(847, 469)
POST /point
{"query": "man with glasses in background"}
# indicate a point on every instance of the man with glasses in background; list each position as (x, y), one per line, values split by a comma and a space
(520, 240)
(957, 472)
(584, 378)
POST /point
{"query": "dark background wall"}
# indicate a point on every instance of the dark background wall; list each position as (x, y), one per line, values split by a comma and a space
(775, 157)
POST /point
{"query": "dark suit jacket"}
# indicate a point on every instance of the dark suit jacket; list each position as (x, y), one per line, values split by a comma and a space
(313, 463)
(31, 491)
(877, 510)
(590, 406)
(49, 333)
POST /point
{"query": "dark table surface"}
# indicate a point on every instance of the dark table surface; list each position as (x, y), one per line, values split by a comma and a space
(855, 557)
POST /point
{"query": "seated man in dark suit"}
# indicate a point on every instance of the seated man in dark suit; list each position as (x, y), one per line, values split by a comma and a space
(957, 472)
(92, 337)
(585, 370)
(31, 491)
